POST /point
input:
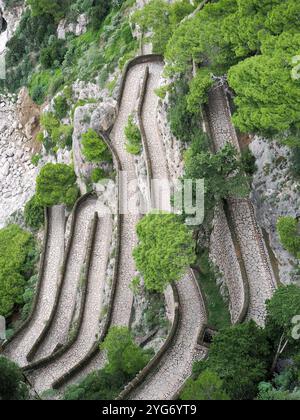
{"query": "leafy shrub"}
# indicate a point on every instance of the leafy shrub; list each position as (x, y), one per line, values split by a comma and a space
(288, 230)
(61, 106)
(208, 387)
(60, 134)
(296, 161)
(240, 357)
(53, 55)
(56, 184)
(183, 123)
(249, 162)
(97, 175)
(94, 148)
(12, 386)
(28, 297)
(133, 136)
(36, 159)
(34, 214)
(165, 250)
(17, 259)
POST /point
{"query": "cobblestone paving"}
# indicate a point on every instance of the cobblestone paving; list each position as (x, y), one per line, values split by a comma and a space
(44, 377)
(260, 275)
(176, 365)
(58, 333)
(20, 347)
(224, 255)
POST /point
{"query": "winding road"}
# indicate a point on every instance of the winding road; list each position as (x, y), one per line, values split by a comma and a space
(175, 366)
(61, 323)
(44, 377)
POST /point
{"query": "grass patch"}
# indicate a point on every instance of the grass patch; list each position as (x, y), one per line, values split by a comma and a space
(218, 310)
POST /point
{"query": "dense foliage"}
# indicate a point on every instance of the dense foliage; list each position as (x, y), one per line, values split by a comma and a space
(38, 59)
(17, 260)
(207, 387)
(223, 173)
(243, 358)
(256, 43)
(133, 137)
(165, 250)
(56, 184)
(12, 386)
(289, 233)
(94, 148)
(125, 360)
(34, 214)
(161, 18)
(240, 357)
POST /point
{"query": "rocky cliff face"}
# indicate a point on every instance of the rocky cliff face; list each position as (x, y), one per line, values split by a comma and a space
(12, 17)
(17, 174)
(275, 193)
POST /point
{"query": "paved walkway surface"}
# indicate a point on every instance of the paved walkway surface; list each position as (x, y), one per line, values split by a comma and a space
(20, 347)
(261, 278)
(43, 378)
(59, 330)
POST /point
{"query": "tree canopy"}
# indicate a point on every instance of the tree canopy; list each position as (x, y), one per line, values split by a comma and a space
(125, 360)
(208, 387)
(56, 184)
(94, 148)
(222, 173)
(240, 357)
(165, 250)
(255, 43)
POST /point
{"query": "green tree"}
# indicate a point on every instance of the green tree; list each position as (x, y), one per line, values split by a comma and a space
(165, 250)
(34, 214)
(55, 8)
(122, 353)
(208, 387)
(240, 357)
(56, 184)
(17, 259)
(12, 386)
(281, 310)
(161, 18)
(94, 148)
(222, 172)
(289, 233)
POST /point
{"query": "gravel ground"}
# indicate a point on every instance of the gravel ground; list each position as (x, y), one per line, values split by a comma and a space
(259, 270)
(20, 347)
(59, 329)
(44, 377)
